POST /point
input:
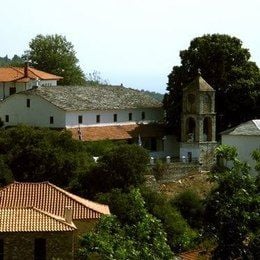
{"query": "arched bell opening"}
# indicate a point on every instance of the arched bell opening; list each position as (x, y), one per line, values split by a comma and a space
(190, 129)
(207, 129)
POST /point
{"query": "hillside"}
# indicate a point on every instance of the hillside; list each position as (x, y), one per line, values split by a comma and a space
(196, 181)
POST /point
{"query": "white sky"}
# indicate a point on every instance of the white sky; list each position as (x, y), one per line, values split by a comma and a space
(134, 42)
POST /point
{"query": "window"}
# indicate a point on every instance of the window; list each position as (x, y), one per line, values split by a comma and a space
(130, 116)
(6, 118)
(115, 117)
(98, 119)
(12, 90)
(51, 120)
(143, 115)
(80, 119)
(28, 102)
(40, 249)
(1, 249)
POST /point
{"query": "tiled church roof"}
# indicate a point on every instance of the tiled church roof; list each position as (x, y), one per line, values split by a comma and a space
(101, 97)
(200, 84)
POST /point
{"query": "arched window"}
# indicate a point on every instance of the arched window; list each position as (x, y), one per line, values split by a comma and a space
(191, 104)
(207, 103)
(190, 129)
(207, 129)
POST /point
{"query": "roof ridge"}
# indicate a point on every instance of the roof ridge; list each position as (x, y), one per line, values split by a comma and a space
(78, 199)
(48, 214)
(57, 218)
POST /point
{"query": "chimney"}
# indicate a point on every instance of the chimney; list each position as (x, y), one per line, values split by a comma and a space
(68, 214)
(26, 69)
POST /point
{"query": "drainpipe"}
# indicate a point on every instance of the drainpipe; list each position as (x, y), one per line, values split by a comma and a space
(3, 90)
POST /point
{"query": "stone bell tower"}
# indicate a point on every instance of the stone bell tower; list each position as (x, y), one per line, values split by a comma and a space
(198, 122)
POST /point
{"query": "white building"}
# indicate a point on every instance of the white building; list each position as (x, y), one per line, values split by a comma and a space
(90, 112)
(246, 138)
(17, 79)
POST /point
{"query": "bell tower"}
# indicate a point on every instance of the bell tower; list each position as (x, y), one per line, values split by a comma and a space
(198, 122)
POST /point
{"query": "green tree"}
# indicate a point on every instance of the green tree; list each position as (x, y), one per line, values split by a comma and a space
(124, 166)
(256, 157)
(43, 154)
(180, 235)
(191, 207)
(6, 175)
(54, 54)
(225, 65)
(142, 237)
(232, 211)
(16, 61)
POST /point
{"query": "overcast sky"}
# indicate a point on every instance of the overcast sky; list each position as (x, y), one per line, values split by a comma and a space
(134, 42)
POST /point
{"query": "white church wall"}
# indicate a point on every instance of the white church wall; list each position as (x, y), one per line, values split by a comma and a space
(38, 114)
(89, 118)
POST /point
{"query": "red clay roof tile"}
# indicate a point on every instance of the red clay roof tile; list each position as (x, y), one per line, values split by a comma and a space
(15, 74)
(31, 220)
(49, 198)
(117, 132)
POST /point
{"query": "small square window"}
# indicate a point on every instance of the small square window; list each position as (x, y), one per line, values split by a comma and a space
(6, 118)
(130, 116)
(98, 119)
(12, 90)
(80, 119)
(115, 117)
(143, 115)
(28, 102)
(51, 120)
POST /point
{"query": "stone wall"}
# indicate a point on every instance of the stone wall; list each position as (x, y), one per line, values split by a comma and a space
(59, 245)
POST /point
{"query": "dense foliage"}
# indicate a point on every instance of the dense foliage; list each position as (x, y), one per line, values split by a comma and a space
(43, 154)
(226, 66)
(56, 55)
(123, 166)
(232, 212)
(16, 61)
(140, 237)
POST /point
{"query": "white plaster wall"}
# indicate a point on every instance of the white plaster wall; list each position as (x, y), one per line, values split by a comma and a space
(245, 145)
(186, 148)
(107, 117)
(38, 114)
(5, 87)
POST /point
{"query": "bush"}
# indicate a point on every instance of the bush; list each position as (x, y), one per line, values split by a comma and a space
(123, 167)
(179, 234)
(159, 169)
(191, 207)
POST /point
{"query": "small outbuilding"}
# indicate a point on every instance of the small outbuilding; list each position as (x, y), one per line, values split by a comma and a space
(246, 138)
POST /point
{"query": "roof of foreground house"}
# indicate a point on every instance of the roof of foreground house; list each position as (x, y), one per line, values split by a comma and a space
(101, 97)
(49, 198)
(117, 132)
(251, 127)
(16, 74)
(31, 219)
